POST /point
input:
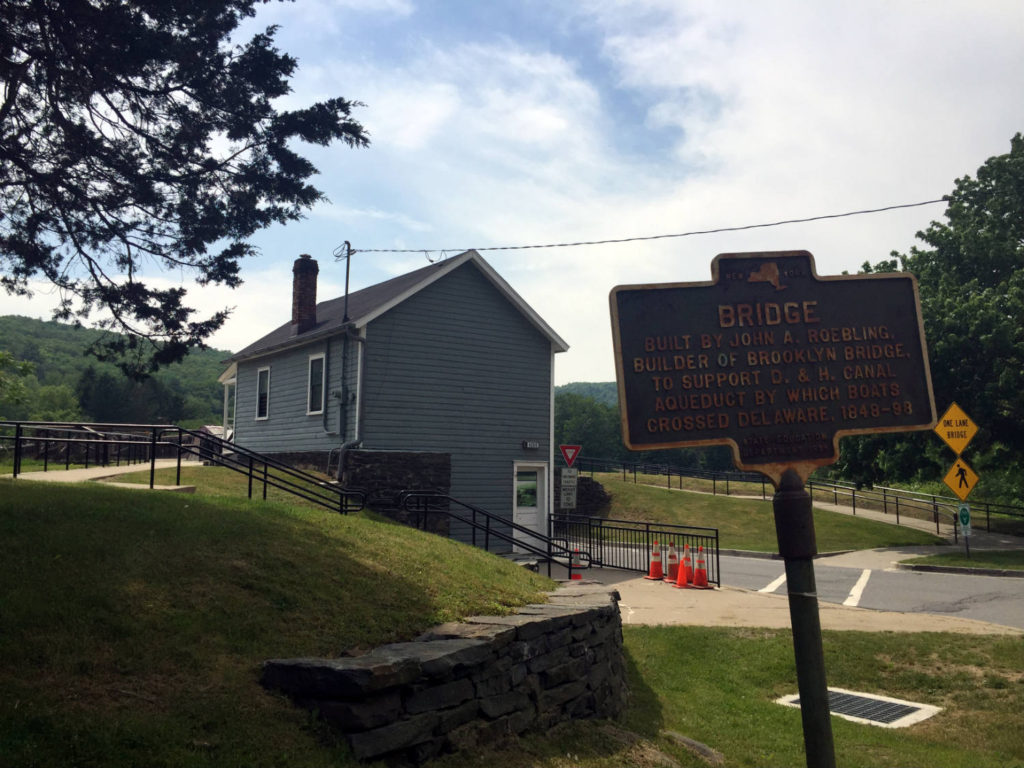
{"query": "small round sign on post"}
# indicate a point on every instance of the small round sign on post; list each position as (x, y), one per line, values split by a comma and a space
(964, 515)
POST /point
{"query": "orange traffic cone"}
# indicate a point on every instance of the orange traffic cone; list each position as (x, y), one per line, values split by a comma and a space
(672, 562)
(700, 574)
(655, 573)
(575, 566)
(685, 569)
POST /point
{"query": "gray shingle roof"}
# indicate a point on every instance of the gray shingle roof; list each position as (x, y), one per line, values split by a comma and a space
(368, 303)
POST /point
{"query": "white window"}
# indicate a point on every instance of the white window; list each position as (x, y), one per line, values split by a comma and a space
(262, 393)
(315, 390)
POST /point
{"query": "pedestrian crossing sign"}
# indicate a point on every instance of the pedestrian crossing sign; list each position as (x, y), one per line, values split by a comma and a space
(961, 479)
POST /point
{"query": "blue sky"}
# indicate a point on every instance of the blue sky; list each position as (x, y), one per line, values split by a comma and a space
(506, 122)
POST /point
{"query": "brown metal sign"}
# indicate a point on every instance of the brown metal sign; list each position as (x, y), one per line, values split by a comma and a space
(770, 359)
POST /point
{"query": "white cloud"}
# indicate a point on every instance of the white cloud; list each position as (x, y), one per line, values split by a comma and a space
(680, 116)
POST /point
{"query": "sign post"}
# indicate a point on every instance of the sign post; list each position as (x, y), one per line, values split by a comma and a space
(963, 515)
(568, 476)
(568, 482)
(777, 363)
(957, 430)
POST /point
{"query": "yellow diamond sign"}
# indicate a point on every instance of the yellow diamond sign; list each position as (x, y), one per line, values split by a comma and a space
(961, 479)
(956, 428)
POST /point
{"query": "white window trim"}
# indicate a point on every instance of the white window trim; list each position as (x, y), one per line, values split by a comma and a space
(323, 383)
(259, 372)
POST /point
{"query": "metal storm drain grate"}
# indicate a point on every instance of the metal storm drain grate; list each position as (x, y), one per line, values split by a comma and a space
(870, 708)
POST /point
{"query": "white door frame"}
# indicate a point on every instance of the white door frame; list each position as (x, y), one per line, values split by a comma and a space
(535, 519)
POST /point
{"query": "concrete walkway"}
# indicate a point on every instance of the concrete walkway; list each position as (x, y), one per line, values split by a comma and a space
(658, 603)
(87, 474)
(980, 539)
(647, 602)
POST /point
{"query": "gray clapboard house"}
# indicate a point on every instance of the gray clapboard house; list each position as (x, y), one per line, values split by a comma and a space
(447, 361)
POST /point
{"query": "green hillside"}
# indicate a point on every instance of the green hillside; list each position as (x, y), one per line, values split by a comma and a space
(67, 384)
(604, 392)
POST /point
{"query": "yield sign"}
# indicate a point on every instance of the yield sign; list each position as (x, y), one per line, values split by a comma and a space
(956, 428)
(569, 453)
(961, 479)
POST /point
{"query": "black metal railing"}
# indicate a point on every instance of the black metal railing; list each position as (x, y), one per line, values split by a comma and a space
(722, 481)
(1003, 518)
(627, 544)
(485, 526)
(82, 444)
(935, 508)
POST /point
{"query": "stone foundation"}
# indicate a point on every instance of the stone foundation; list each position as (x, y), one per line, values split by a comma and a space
(468, 683)
(385, 474)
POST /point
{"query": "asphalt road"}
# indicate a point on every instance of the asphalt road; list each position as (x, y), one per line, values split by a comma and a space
(867, 580)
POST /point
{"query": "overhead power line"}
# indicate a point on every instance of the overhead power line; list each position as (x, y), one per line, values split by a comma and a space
(652, 237)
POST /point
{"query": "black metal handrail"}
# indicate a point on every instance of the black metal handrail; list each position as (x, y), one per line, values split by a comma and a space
(908, 503)
(888, 500)
(627, 544)
(147, 442)
(638, 469)
(424, 503)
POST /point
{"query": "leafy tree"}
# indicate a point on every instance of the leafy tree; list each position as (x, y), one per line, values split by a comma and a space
(107, 398)
(584, 416)
(13, 373)
(55, 402)
(135, 133)
(972, 296)
(59, 352)
(584, 421)
(971, 278)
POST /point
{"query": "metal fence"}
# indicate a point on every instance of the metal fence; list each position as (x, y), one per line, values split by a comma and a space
(1001, 518)
(86, 444)
(935, 508)
(485, 528)
(722, 481)
(627, 544)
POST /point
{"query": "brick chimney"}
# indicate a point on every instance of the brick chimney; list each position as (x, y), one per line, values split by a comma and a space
(304, 273)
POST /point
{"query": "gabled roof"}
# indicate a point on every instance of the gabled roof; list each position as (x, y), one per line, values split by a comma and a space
(371, 302)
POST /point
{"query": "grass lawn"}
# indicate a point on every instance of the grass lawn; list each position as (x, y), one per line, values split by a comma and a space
(718, 686)
(219, 482)
(724, 487)
(31, 465)
(1011, 559)
(745, 523)
(132, 626)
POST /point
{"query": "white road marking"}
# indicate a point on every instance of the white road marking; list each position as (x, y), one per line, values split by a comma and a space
(774, 585)
(853, 599)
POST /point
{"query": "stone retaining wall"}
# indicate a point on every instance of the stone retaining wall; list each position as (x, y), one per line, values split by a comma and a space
(461, 684)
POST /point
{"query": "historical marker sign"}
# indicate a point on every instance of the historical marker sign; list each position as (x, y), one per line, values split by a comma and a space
(770, 359)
